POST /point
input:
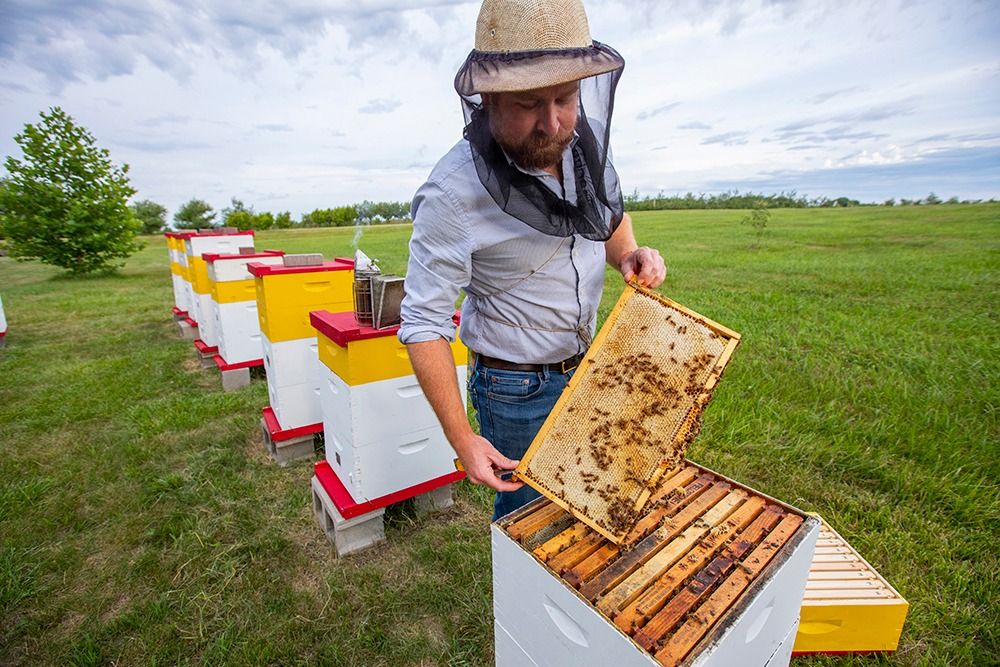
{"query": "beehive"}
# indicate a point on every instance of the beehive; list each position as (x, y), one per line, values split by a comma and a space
(285, 295)
(381, 434)
(712, 573)
(629, 411)
(848, 606)
(200, 295)
(234, 304)
(178, 272)
(3, 321)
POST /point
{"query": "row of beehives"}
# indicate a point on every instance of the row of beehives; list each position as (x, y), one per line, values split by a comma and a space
(326, 373)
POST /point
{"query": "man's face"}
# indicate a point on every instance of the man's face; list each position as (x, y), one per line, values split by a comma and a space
(535, 126)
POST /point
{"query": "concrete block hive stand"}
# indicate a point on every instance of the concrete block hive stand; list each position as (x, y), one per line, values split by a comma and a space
(383, 441)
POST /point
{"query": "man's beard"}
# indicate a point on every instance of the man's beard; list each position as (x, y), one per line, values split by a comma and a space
(536, 151)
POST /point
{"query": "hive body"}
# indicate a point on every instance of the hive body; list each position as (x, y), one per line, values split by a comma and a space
(562, 591)
(285, 295)
(234, 305)
(381, 433)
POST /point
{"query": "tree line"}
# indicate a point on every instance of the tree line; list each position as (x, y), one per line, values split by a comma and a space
(199, 214)
(65, 203)
(734, 199)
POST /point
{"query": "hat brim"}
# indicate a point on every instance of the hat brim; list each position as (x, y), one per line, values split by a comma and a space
(485, 72)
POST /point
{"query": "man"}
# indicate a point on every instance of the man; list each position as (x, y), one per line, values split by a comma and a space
(521, 215)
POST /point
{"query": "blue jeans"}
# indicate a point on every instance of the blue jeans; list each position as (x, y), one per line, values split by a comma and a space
(511, 407)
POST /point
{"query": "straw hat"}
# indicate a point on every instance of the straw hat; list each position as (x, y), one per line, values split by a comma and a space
(527, 44)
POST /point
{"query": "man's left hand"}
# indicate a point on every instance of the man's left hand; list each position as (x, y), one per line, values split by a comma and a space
(645, 266)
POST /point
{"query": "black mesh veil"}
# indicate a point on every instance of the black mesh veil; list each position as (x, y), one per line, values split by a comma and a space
(599, 207)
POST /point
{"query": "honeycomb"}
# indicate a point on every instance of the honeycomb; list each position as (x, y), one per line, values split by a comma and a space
(629, 412)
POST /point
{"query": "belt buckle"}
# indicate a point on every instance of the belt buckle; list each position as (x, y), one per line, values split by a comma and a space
(566, 365)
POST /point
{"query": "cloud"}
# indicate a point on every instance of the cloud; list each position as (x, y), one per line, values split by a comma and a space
(649, 113)
(99, 39)
(727, 139)
(966, 173)
(840, 92)
(869, 115)
(381, 105)
(274, 127)
(694, 125)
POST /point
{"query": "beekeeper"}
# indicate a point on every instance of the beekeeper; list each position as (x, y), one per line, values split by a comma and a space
(521, 215)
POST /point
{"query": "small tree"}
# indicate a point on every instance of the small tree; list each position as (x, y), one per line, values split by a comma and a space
(65, 203)
(283, 220)
(758, 219)
(152, 216)
(194, 214)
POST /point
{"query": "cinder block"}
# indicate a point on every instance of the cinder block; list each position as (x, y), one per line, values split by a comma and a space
(188, 332)
(434, 501)
(346, 535)
(285, 451)
(304, 259)
(235, 379)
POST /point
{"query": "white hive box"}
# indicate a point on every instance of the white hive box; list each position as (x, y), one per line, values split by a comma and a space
(381, 434)
(293, 384)
(234, 304)
(547, 613)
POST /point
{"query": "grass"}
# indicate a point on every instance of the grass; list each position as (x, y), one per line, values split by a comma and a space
(141, 523)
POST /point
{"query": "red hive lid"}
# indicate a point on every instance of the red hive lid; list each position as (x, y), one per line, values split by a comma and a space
(337, 264)
(343, 328)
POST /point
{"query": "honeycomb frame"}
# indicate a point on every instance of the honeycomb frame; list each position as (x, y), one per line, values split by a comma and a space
(633, 405)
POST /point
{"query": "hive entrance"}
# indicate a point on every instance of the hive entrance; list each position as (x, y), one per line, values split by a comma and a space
(629, 412)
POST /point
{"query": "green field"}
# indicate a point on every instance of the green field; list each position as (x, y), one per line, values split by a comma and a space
(142, 523)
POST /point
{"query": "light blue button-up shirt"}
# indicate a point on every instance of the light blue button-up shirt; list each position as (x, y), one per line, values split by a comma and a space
(530, 298)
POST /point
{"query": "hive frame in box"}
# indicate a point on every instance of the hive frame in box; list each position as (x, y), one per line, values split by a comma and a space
(555, 624)
(703, 379)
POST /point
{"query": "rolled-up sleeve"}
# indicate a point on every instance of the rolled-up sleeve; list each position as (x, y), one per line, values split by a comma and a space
(440, 265)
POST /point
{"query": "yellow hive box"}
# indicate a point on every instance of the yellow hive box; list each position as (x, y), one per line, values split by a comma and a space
(198, 269)
(286, 294)
(848, 607)
(359, 354)
(234, 291)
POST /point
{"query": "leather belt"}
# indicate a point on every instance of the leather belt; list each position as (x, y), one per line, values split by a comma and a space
(564, 366)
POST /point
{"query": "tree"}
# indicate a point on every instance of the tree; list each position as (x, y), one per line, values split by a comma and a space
(194, 214)
(283, 220)
(758, 219)
(65, 203)
(152, 216)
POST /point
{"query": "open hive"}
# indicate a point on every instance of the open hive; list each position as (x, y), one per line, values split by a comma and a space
(711, 568)
(629, 412)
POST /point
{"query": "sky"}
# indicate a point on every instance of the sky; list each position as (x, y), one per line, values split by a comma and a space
(306, 104)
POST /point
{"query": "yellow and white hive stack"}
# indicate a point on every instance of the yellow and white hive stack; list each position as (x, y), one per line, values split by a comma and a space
(285, 296)
(196, 245)
(381, 434)
(234, 304)
(179, 276)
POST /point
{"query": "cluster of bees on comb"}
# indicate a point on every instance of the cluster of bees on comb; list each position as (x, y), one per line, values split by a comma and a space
(659, 391)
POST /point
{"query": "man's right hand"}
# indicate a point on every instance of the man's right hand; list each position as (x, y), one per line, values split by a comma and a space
(483, 463)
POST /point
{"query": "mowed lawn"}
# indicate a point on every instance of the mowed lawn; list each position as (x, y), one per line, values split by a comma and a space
(142, 523)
